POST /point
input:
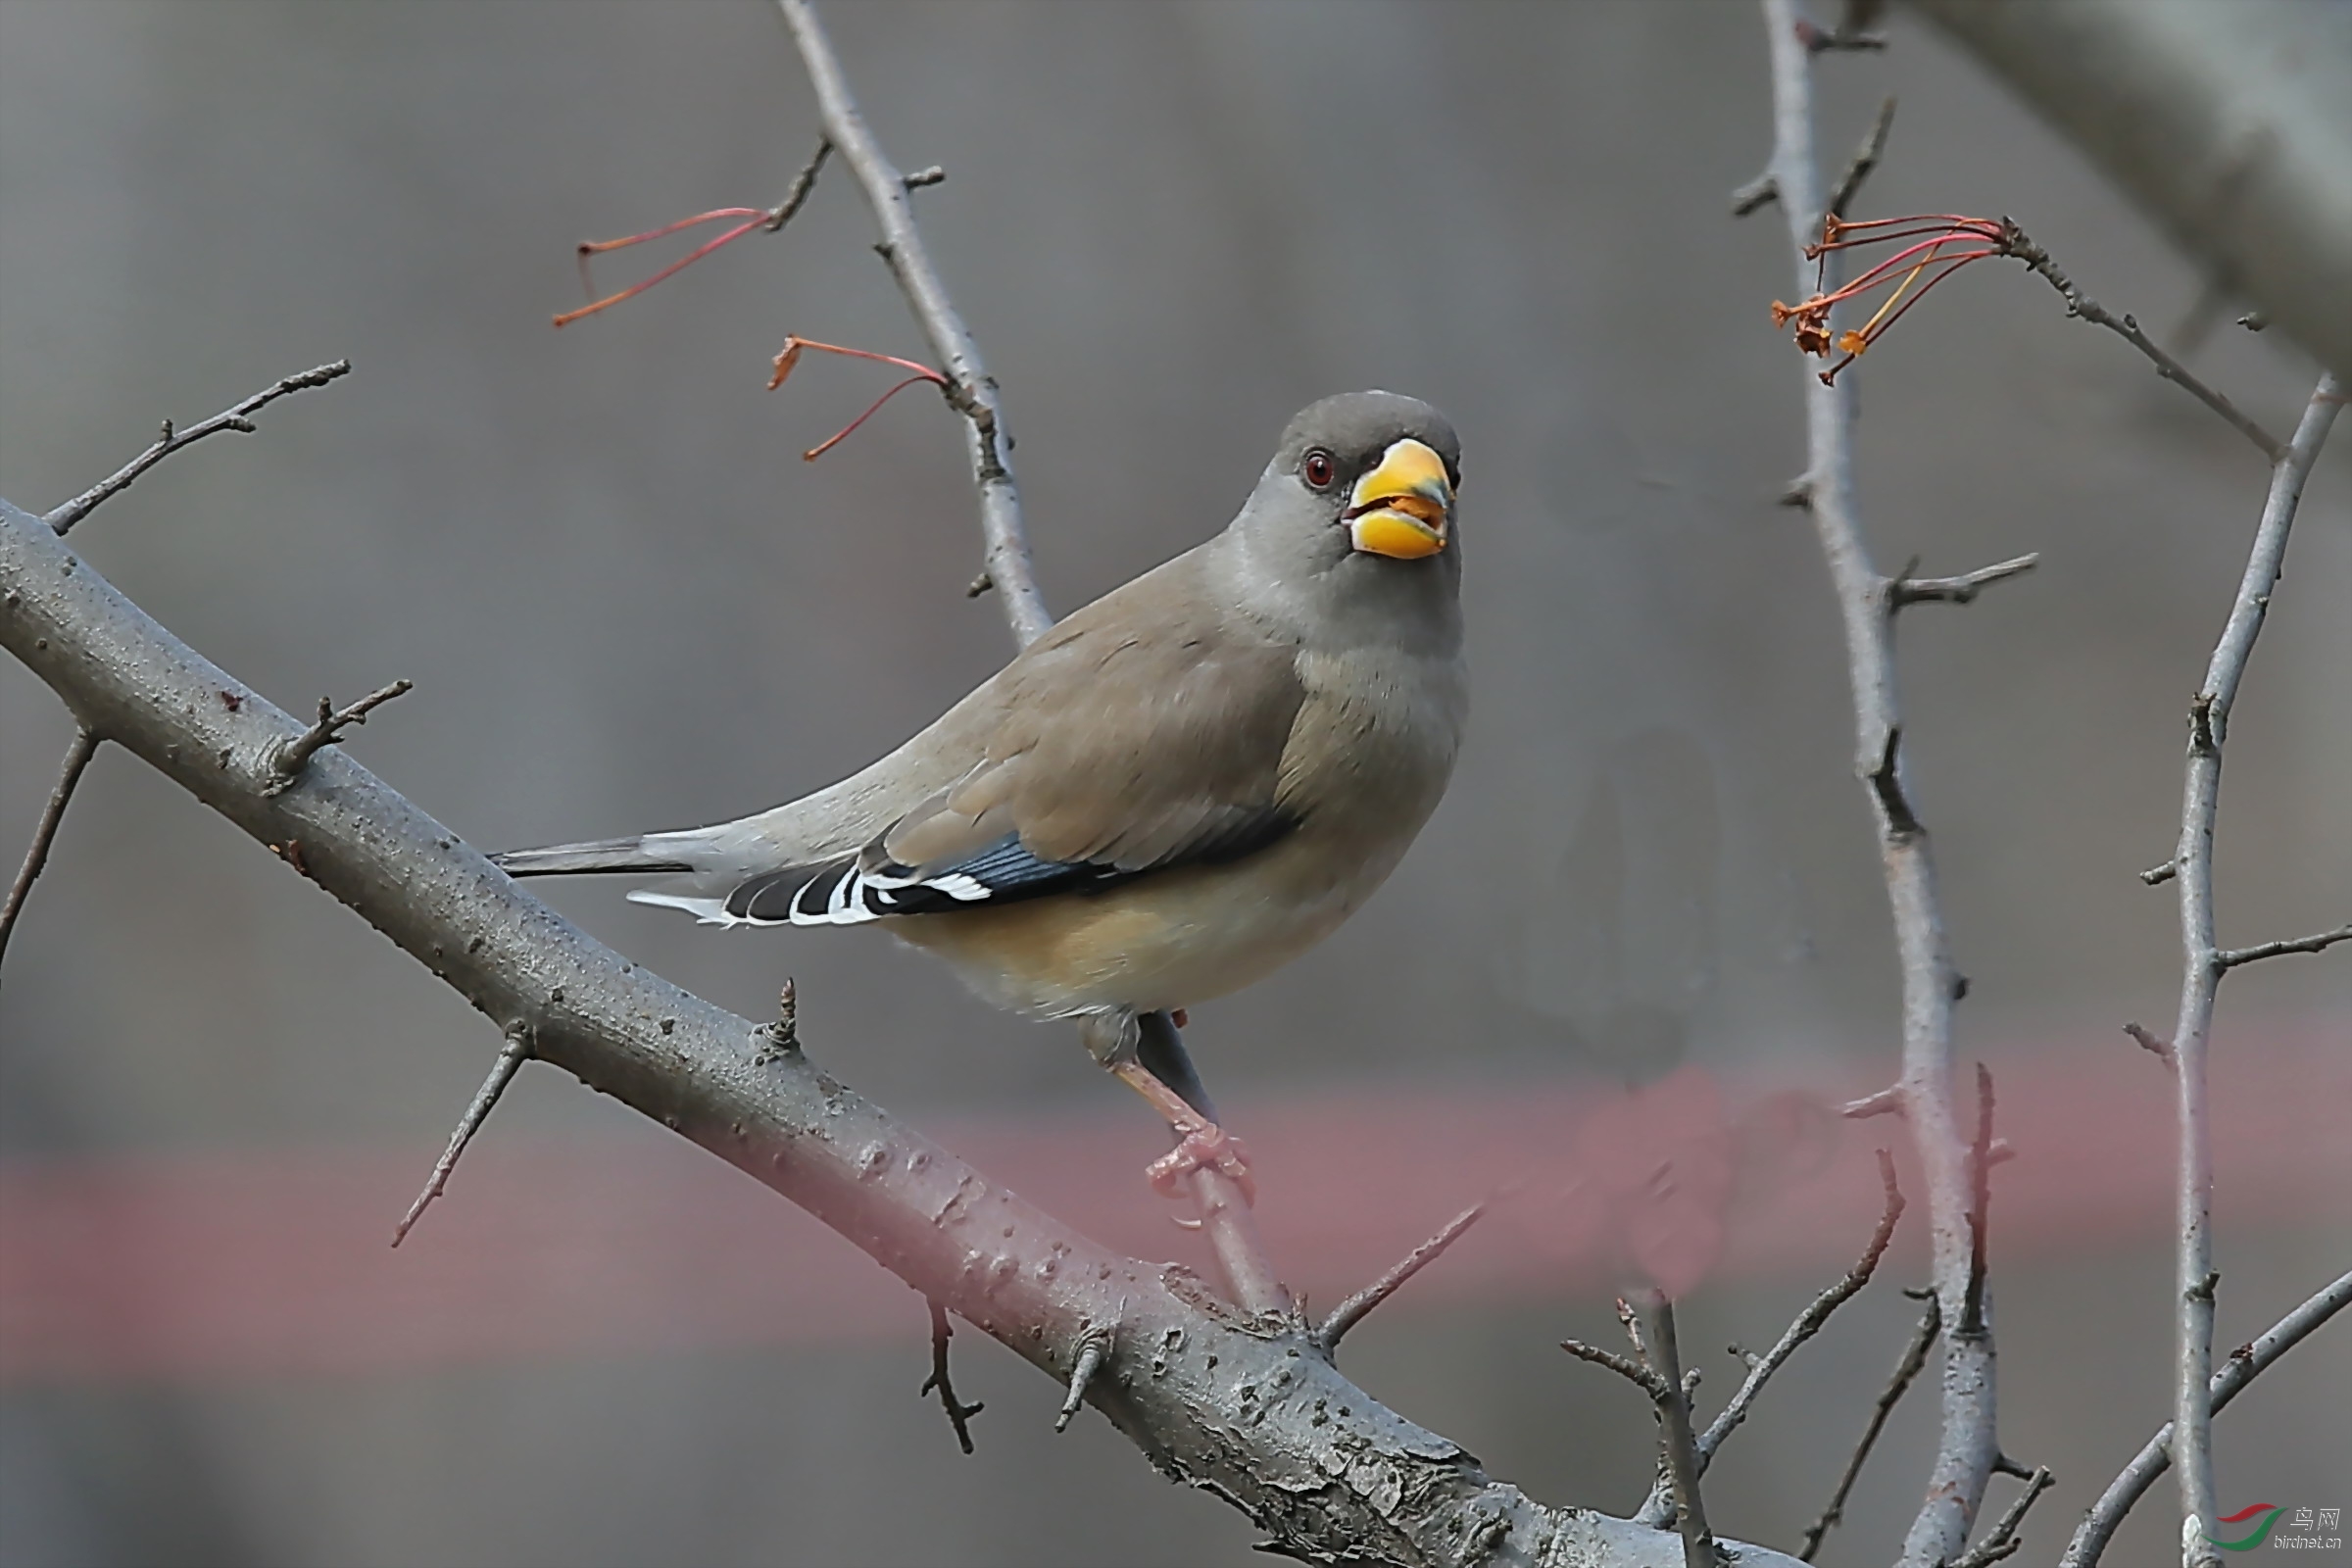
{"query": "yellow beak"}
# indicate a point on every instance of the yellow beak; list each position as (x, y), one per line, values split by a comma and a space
(1400, 507)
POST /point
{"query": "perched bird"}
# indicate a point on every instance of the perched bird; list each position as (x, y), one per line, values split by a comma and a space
(1172, 793)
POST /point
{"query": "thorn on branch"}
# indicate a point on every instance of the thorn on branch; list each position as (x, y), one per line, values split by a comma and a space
(237, 418)
(1906, 589)
(924, 176)
(1886, 1102)
(2155, 1045)
(1885, 782)
(1866, 157)
(2003, 1541)
(1914, 1359)
(78, 752)
(781, 1038)
(510, 1058)
(2318, 942)
(1092, 1346)
(1798, 495)
(2156, 876)
(958, 1416)
(979, 585)
(1759, 192)
(290, 757)
(1356, 1307)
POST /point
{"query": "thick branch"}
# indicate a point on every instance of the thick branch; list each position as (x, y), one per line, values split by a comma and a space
(1236, 1405)
(972, 391)
(2202, 966)
(1967, 1446)
(84, 746)
(2247, 1363)
(238, 419)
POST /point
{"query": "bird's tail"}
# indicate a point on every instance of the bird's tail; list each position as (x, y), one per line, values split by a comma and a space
(600, 855)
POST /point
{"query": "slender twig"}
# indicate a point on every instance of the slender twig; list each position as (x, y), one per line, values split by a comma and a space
(2244, 1364)
(1656, 1316)
(78, 752)
(1760, 1368)
(2202, 963)
(510, 1058)
(1094, 1345)
(1866, 157)
(2004, 1541)
(1968, 1442)
(2157, 877)
(1887, 1101)
(1354, 1309)
(959, 1415)
(237, 418)
(289, 761)
(1757, 192)
(1627, 1367)
(2015, 243)
(1914, 1357)
(970, 389)
(2318, 942)
(1909, 590)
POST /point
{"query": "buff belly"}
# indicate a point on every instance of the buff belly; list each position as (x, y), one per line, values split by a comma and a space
(1169, 940)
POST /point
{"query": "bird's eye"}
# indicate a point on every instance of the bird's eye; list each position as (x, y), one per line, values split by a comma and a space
(1318, 470)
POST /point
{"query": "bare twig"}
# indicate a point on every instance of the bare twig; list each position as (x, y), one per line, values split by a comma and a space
(1095, 1343)
(238, 419)
(1914, 1357)
(2015, 243)
(510, 1058)
(1627, 1367)
(2244, 1364)
(1760, 1368)
(2004, 1541)
(970, 389)
(1354, 1309)
(1887, 1101)
(1866, 157)
(1673, 1399)
(2157, 877)
(1968, 1442)
(1757, 192)
(2318, 942)
(289, 759)
(1909, 590)
(2202, 964)
(959, 1415)
(78, 752)
(2154, 1045)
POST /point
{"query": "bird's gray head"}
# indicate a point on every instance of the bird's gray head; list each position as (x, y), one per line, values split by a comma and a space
(1355, 512)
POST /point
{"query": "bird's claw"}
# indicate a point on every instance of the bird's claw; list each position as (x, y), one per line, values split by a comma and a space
(1206, 1146)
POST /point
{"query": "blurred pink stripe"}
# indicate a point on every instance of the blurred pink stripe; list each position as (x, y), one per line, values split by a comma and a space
(275, 1261)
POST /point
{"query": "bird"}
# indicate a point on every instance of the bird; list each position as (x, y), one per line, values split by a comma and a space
(1172, 793)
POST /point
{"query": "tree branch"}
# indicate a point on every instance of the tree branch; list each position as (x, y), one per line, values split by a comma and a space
(1962, 590)
(1968, 1444)
(1914, 1357)
(959, 1414)
(78, 752)
(972, 391)
(2004, 1541)
(2202, 966)
(289, 761)
(2245, 1364)
(238, 419)
(1659, 1509)
(2015, 243)
(1866, 157)
(1235, 1405)
(1356, 1307)
(2319, 942)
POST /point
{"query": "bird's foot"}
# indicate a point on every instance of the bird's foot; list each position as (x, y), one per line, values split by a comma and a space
(1205, 1146)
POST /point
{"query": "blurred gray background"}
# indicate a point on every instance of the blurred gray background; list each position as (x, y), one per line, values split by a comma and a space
(627, 604)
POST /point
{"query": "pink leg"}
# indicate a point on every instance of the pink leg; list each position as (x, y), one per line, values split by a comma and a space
(1202, 1144)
